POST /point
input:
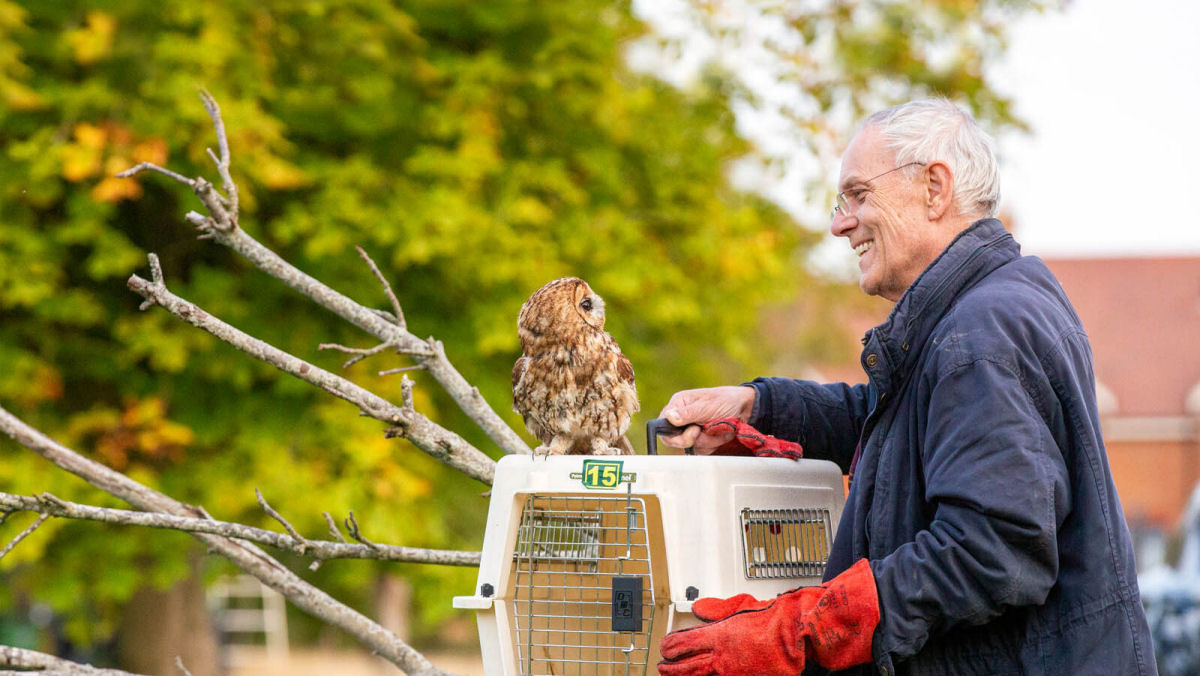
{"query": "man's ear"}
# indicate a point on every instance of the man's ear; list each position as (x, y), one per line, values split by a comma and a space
(939, 192)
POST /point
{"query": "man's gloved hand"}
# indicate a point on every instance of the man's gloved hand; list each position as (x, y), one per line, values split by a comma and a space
(711, 610)
(831, 625)
(746, 438)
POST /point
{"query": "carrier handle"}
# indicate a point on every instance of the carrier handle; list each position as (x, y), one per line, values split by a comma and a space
(664, 427)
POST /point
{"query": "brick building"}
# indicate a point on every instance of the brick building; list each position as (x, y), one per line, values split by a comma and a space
(1142, 316)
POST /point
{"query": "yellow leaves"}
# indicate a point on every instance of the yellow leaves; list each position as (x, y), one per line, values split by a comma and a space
(151, 150)
(390, 479)
(477, 152)
(46, 385)
(12, 15)
(104, 150)
(81, 159)
(17, 96)
(94, 40)
(14, 94)
(278, 174)
(27, 381)
(139, 433)
(531, 210)
(113, 189)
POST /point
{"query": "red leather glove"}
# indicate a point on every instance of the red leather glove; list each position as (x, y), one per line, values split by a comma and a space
(748, 438)
(831, 625)
(711, 610)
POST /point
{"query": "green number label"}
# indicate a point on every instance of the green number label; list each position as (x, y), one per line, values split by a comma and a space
(602, 474)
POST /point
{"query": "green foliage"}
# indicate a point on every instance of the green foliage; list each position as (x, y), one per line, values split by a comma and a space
(475, 149)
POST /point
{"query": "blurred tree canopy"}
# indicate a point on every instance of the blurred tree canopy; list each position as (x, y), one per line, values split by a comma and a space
(476, 149)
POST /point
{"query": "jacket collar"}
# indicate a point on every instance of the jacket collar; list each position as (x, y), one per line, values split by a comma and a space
(972, 255)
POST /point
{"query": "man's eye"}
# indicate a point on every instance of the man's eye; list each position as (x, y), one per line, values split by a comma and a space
(856, 196)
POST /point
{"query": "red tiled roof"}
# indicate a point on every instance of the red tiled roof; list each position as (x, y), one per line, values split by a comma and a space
(1142, 316)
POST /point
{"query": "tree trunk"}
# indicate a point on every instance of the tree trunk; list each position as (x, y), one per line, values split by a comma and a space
(159, 626)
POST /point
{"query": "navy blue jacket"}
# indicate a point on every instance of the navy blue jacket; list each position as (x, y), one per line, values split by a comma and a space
(982, 494)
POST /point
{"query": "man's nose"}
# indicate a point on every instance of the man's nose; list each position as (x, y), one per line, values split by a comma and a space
(842, 224)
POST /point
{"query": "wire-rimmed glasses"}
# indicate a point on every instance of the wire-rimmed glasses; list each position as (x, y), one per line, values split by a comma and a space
(845, 206)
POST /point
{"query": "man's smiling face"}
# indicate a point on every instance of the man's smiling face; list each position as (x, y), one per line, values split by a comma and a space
(889, 229)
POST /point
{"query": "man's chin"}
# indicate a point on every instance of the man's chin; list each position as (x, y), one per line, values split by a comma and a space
(869, 285)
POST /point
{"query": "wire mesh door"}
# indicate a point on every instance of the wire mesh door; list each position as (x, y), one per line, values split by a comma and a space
(571, 552)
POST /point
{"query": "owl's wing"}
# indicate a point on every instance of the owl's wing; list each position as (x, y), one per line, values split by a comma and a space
(627, 386)
(519, 368)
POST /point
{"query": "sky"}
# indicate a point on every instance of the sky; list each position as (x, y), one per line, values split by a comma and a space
(1110, 89)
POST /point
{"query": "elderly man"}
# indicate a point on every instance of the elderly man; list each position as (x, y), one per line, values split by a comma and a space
(982, 533)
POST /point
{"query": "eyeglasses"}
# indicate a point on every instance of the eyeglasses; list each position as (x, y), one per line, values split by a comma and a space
(845, 205)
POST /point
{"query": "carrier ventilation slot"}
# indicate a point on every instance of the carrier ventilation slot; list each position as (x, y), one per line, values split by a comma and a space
(785, 543)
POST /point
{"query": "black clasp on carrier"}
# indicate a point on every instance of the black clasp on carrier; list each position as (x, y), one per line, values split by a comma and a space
(662, 426)
(627, 603)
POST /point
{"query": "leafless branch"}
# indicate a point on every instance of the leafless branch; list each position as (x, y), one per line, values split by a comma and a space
(231, 191)
(221, 225)
(387, 288)
(20, 658)
(360, 353)
(352, 528)
(423, 432)
(150, 166)
(24, 534)
(301, 541)
(406, 392)
(322, 549)
(402, 369)
(333, 530)
(242, 554)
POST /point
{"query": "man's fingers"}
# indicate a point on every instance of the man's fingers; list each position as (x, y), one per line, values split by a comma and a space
(707, 443)
(686, 439)
(686, 653)
(697, 666)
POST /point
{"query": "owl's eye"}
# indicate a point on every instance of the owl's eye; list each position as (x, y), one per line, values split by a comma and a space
(586, 305)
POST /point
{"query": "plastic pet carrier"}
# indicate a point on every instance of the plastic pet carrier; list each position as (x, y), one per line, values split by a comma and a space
(588, 561)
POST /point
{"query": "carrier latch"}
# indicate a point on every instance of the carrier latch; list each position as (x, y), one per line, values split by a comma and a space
(627, 603)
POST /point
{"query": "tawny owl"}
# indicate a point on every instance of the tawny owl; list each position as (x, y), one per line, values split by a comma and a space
(572, 385)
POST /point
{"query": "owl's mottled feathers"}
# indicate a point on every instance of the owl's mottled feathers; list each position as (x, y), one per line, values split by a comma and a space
(572, 384)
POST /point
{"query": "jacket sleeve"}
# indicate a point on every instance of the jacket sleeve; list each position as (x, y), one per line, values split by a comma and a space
(825, 419)
(996, 484)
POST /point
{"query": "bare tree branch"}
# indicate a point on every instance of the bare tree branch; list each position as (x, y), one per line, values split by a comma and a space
(406, 392)
(301, 542)
(333, 529)
(360, 353)
(242, 554)
(402, 369)
(352, 528)
(221, 225)
(150, 166)
(423, 432)
(49, 505)
(20, 658)
(387, 288)
(24, 534)
(438, 365)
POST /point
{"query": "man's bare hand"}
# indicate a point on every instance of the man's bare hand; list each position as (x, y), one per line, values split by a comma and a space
(696, 407)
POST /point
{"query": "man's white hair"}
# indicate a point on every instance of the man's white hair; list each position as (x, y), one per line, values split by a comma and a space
(936, 130)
